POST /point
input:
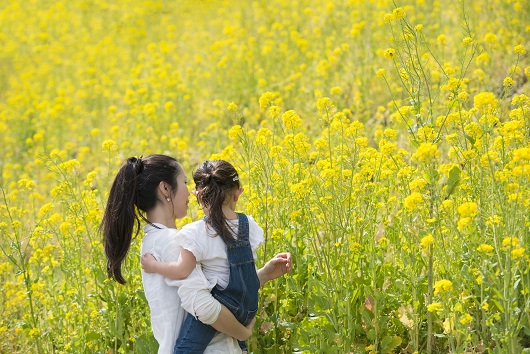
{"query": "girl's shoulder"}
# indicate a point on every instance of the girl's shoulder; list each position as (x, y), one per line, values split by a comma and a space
(193, 229)
(256, 232)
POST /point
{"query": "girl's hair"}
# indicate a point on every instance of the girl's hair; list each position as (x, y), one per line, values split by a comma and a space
(215, 181)
(133, 190)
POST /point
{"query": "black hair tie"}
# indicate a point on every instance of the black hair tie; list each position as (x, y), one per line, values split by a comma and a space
(138, 164)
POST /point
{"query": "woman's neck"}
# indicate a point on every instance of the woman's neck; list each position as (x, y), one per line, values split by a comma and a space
(160, 215)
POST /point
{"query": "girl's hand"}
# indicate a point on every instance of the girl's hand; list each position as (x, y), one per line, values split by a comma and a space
(279, 265)
(148, 263)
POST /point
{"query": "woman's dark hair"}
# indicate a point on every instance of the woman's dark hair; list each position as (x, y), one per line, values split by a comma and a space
(133, 192)
(215, 181)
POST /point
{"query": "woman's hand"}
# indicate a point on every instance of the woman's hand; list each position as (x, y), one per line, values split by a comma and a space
(279, 265)
(148, 262)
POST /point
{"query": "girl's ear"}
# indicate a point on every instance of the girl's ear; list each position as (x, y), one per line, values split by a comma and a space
(238, 192)
(197, 195)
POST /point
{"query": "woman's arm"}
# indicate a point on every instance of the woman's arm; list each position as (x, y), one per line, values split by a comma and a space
(226, 323)
(196, 299)
(275, 268)
(173, 270)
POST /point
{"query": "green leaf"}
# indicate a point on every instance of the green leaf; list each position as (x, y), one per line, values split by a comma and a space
(371, 334)
(453, 180)
(389, 343)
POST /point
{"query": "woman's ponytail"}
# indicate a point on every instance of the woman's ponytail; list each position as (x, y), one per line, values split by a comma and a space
(133, 191)
(120, 216)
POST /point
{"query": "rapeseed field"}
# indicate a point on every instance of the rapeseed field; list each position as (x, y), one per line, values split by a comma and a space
(385, 144)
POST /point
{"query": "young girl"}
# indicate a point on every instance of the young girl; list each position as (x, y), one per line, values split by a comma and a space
(154, 189)
(224, 243)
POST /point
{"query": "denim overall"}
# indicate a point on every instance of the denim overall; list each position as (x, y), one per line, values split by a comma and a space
(240, 296)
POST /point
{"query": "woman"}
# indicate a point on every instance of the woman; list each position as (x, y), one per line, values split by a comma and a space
(156, 185)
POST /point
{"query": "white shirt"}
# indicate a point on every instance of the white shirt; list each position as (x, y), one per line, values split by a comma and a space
(170, 299)
(210, 250)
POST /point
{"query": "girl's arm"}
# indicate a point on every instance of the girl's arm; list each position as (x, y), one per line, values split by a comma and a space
(173, 270)
(275, 268)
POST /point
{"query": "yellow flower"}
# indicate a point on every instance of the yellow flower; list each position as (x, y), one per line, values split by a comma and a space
(383, 242)
(266, 98)
(463, 224)
(441, 39)
(109, 145)
(390, 53)
(388, 17)
(442, 286)
(482, 59)
(490, 38)
(336, 90)
(510, 242)
(26, 184)
(399, 13)
(465, 319)
(412, 201)
(468, 209)
(485, 248)
(274, 111)
(426, 152)
(232, 107)
(235, 132)
(507, 82)
(521, 154)
(519, 49)
(518, 252)
(291, 120)
(427, 241)
(381, 73)
(435, 307)
(485, 100)
(324, 103)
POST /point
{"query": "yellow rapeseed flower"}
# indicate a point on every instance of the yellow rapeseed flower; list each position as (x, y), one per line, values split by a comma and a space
(232, 107)
(398, 12)
(435, 307)
(291, 120)
(426, 152)
(412, 201)
(466, 318)
(507, 82)
(518, 252)
(390, 53)
(519, 49)
(485, 248)
(510, 242)
(109, 145)
(442, 286)
(468, 209)
(490, 38)
(485, 100)
(427, 241)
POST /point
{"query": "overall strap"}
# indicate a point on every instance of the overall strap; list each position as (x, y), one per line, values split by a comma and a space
(243, 231)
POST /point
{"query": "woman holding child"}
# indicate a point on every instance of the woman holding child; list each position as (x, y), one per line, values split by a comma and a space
(154, 189)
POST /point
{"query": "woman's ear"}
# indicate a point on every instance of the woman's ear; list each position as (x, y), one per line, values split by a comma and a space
(163, 189)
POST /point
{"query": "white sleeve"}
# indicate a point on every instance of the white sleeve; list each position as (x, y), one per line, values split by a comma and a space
(189, 238)
(255, 235)
(194, 292)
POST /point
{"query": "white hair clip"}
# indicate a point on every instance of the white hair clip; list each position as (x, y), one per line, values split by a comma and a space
(236, 178)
